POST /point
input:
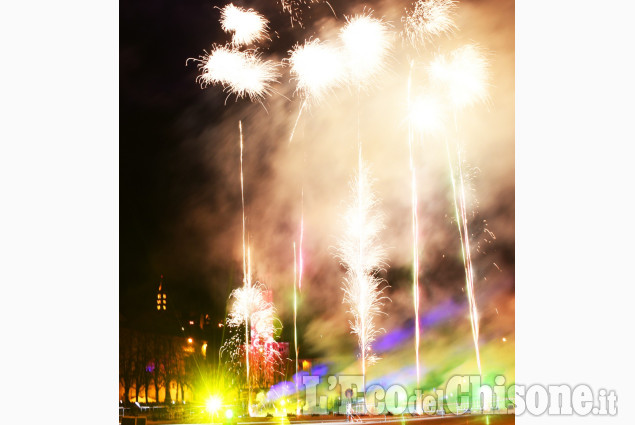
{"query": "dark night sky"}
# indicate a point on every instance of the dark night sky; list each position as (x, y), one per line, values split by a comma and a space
(160, 106)
(176, 192)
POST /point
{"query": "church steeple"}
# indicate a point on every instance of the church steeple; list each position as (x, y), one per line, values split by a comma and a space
(162, 298)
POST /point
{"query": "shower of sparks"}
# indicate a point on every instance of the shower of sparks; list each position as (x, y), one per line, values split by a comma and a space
(415, 225)
(251, 306)
(366, 42)
(429, 19)
(464, 73)
(295, 8)
(363, 256)
(317, 68)
(247, 25)
(241, 73)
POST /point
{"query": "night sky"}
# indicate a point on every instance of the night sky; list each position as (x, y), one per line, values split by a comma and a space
(160, 107)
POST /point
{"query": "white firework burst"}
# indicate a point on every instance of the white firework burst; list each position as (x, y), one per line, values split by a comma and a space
(247, 25)
(464, 73)
(242, 73)
(317, 68)
(429, 19)
(366, 42)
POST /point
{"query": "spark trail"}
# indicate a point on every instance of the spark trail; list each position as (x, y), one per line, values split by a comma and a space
(242, 198)
(415, 227)
(295, 330)
(460, 212)
(246, 272)
(301, 253)
(465, 76)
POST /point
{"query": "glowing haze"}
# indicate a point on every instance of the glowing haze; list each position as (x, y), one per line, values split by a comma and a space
(464, 73)
(426, 114)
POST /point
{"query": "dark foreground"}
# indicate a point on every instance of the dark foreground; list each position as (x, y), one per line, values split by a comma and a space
(476, 419)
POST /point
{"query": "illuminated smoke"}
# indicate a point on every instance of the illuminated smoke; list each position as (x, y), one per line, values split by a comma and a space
(426, 114)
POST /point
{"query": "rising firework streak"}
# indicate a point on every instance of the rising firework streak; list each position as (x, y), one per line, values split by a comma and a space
(415, 224)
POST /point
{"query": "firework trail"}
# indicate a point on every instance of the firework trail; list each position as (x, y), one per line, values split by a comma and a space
(366, 43)
(468, 262)
(415, 226)
(295, 330)
(460, 212)
(465, 75)
(241, 73)
(317, 69)
(428, 19)
(424, 117)
(242, 198)
(301, 265)
(363, 256)
(247, 25)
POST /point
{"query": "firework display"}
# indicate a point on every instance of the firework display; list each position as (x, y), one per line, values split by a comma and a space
(347, 62)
